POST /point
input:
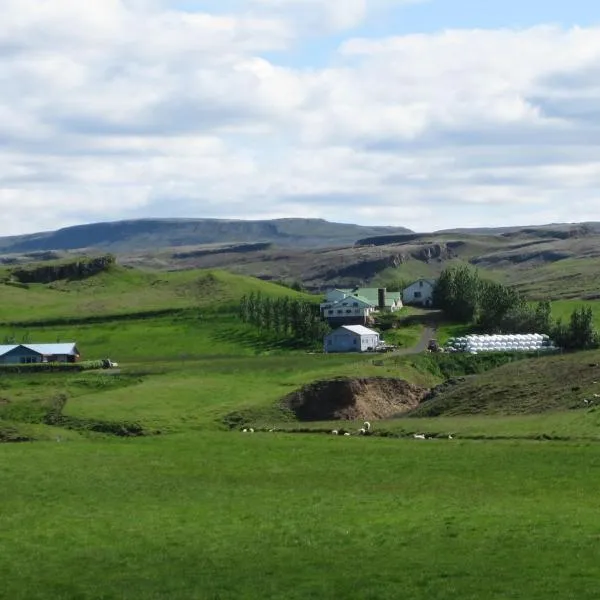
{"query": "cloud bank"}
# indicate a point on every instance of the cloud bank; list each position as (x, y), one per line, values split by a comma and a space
(123, 109)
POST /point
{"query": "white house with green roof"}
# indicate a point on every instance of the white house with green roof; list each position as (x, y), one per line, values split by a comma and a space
(380, 298)
(353, 307)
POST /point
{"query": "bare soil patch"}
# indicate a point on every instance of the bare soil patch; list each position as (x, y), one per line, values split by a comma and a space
(350, 399)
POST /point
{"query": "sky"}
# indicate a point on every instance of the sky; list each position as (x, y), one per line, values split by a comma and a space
(427, 114)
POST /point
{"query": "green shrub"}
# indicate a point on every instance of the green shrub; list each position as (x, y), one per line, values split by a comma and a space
(52, 367)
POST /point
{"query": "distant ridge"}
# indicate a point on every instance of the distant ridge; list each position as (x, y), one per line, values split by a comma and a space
(145, 234)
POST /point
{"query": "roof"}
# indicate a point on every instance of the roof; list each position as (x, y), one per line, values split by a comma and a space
(371, 295)
(67, 348)
(359, 329)
(44, 349)
(430, 281)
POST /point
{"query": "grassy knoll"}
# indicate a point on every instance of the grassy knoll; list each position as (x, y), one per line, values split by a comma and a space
(238, 516)
(533, 386)
(123, 291)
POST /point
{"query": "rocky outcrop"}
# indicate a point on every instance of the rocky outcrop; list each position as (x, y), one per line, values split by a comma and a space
(76, 269)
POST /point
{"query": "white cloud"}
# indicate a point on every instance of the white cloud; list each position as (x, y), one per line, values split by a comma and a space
(134, 108)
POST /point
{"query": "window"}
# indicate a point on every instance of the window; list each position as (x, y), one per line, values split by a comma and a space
(420, 284)
(418, 295)
(27, 360)
(349, 311)
(330, 312)
(329, 342)
(340, 312)
(355, 304)
(354, 342)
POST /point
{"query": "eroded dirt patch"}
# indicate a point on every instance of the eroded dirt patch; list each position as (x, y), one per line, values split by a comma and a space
(351, 399)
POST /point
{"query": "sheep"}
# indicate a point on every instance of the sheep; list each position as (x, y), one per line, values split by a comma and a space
(335, 432)
(419, 436)
(244, 430)
(362, 431)
(450, 437)
(367, 425)
(251, 430)
(346, 433)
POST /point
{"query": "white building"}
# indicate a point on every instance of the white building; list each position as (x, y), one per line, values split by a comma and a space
(347, 310)
(351, 338)
(419, 293)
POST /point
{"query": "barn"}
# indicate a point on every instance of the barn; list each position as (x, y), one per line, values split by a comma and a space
(351, 338)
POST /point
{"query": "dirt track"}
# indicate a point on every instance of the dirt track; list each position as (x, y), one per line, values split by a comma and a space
(429, 332)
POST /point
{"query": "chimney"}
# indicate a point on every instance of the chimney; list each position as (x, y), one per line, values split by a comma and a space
(381, 296)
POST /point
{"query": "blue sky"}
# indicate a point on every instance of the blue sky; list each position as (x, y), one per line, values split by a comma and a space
(432, 114)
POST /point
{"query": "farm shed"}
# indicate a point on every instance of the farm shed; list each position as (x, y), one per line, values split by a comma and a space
(15, 354)
(351, 338)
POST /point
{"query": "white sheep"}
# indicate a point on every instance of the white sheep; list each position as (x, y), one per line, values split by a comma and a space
(362, 431)
(244, 430)
(367, 425)
(419, 436)
(335, 432)
(450, 437)
(251, 430)
(346, 433)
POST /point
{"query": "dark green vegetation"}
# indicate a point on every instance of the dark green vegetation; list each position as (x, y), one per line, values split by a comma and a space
(285, 319)
(137, 482)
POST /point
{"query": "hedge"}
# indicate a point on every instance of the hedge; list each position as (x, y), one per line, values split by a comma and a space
(52, 367)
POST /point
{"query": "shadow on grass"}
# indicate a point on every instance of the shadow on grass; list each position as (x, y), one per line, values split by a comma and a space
(262, 341)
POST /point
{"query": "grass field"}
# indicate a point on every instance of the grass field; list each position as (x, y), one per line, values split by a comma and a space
(222, 516)
(195, 509)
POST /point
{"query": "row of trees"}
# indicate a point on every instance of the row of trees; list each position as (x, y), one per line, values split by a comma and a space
(285, 317)
(495, 308)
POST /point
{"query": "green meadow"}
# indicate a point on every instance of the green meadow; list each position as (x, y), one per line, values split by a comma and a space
(137, 483)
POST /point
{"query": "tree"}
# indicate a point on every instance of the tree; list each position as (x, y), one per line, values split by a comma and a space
(543, 317)
(457, 293)
(581, 329)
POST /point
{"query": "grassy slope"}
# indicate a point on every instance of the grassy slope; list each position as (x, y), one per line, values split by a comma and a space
(130, 291)
(532, 386)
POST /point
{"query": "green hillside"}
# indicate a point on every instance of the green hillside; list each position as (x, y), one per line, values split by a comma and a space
(128, 291)
(538, 385)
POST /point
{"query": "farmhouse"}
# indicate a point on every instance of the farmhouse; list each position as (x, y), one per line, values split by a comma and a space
(353, 307)
(419, 293)
(38, 353)
(379, 298)
(351, 338)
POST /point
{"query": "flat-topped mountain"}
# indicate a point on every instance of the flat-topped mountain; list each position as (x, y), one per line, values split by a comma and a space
(145, 234)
